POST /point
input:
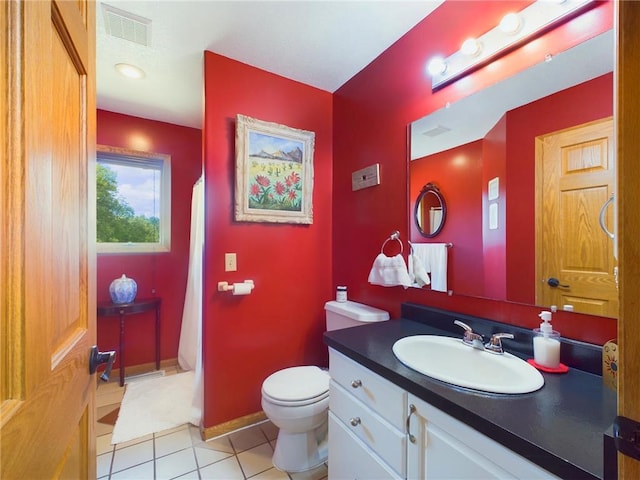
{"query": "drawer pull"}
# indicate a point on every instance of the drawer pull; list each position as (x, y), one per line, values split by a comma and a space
(356, 383)
(355, 421)
(412, 410)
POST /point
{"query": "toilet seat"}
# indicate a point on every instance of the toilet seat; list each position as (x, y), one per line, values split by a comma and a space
(296, 386)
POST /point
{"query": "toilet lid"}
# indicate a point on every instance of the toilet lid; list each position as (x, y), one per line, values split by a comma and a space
(297, 383)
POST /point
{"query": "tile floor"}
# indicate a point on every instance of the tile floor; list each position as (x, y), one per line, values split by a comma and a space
(181, 453)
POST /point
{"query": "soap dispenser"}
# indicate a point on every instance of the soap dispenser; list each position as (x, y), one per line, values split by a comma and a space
(546, 343)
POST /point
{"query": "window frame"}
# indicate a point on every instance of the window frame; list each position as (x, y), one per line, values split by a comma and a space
(127, 156)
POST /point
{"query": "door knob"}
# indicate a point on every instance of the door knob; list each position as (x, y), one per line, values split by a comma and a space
(98, 358)
(554, 282)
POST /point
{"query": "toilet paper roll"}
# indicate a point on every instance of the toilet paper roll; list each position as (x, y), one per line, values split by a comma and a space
(242, 288)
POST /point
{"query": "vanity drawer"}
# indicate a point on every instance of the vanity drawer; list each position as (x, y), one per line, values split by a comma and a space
(349, 458)
(375, 392)
(386, 441)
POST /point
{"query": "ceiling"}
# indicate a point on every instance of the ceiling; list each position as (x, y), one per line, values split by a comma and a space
(319, 43)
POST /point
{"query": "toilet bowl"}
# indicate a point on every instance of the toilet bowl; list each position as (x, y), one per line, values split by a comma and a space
(296, 399)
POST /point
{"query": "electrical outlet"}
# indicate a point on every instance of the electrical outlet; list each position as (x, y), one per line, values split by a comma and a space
(230, 264)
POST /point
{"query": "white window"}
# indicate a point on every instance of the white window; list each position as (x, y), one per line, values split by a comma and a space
(133, 201)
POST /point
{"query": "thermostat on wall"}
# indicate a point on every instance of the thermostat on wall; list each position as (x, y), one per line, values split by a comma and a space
(366, 177)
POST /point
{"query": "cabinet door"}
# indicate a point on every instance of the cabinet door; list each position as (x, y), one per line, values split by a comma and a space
(446, 448)
(350, 459)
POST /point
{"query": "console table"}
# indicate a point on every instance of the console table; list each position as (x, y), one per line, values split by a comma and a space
(122, 310)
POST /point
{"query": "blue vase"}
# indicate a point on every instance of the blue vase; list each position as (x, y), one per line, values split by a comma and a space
(123, 290)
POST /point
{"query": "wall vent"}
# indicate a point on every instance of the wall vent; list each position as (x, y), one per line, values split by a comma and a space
(127, 26)
(434, 132)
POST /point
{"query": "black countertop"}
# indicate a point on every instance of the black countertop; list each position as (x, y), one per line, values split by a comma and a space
(559, 427)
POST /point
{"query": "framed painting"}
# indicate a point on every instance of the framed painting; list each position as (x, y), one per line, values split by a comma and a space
(274, 172)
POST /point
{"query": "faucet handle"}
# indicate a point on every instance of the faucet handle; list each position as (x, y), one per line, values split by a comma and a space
(466, 327)
(470, 337)
(495, 344)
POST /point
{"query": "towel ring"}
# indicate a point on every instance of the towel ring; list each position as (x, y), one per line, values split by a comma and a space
(394, 236)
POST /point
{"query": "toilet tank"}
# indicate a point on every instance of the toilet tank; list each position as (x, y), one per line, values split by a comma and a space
(350, 314)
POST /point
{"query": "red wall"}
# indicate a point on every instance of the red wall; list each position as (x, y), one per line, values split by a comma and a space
(157, 274)
(280, 324)
(494, 164)
(371, 114)
(457, 173)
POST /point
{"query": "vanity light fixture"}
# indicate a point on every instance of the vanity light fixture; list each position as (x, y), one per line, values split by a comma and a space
(130, 71)
(520, 27)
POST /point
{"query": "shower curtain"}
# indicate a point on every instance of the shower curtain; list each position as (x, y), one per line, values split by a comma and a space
(190, 347)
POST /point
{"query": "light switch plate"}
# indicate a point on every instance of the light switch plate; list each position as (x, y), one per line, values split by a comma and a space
(366, 177)
(230, 264)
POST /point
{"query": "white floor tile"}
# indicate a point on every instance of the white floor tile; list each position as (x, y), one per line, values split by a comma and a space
(271, 474)
(176, 464)
(139, 472)
(130, 456)
(227, 469)
(221, 444)
(270, 430)
(318, 473)
(256, 460)
(247, 438)
(189, 476)
(207, 456)
(171, 430)
(134, 441)
(173, 442)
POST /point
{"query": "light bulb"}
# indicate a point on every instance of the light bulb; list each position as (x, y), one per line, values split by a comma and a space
(437, 66)
(510, 23)
(470, 47)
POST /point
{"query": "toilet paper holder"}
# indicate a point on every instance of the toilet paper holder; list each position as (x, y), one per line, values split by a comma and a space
(227, 287)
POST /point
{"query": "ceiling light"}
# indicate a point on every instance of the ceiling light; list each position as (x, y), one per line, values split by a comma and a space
(471, 47)
(129, 70)
(510, 23)
(437, 66)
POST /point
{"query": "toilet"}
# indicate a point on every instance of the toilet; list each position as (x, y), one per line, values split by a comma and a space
(296, 399)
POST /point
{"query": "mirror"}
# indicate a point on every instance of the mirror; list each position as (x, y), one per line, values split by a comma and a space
(430, 211)
(455, 147)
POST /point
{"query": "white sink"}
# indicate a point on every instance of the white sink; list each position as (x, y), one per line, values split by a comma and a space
(450, 360)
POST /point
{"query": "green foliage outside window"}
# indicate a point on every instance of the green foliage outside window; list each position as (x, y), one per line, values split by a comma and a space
(116, 220)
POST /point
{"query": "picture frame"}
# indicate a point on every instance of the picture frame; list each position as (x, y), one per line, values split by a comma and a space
(274, 172)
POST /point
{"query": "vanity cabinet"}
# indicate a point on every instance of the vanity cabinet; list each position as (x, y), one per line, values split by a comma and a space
(378, 430)
(444, 447)
(367, 415)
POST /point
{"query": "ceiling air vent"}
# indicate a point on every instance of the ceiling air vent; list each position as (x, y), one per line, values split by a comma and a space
(434, 132)
(127, 26)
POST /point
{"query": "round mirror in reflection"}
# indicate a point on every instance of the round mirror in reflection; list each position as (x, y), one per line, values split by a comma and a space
(430, 211)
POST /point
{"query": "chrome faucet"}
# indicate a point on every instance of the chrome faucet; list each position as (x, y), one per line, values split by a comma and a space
(475, 340)
(470, 338)
(495, 344)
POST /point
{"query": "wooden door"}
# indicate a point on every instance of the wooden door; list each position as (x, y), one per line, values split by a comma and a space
(47, 239)
(628, 191)
(576, 171)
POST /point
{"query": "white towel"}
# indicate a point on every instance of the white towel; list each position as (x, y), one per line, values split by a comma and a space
(433, 257)
(389, 271)
(417, 274)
